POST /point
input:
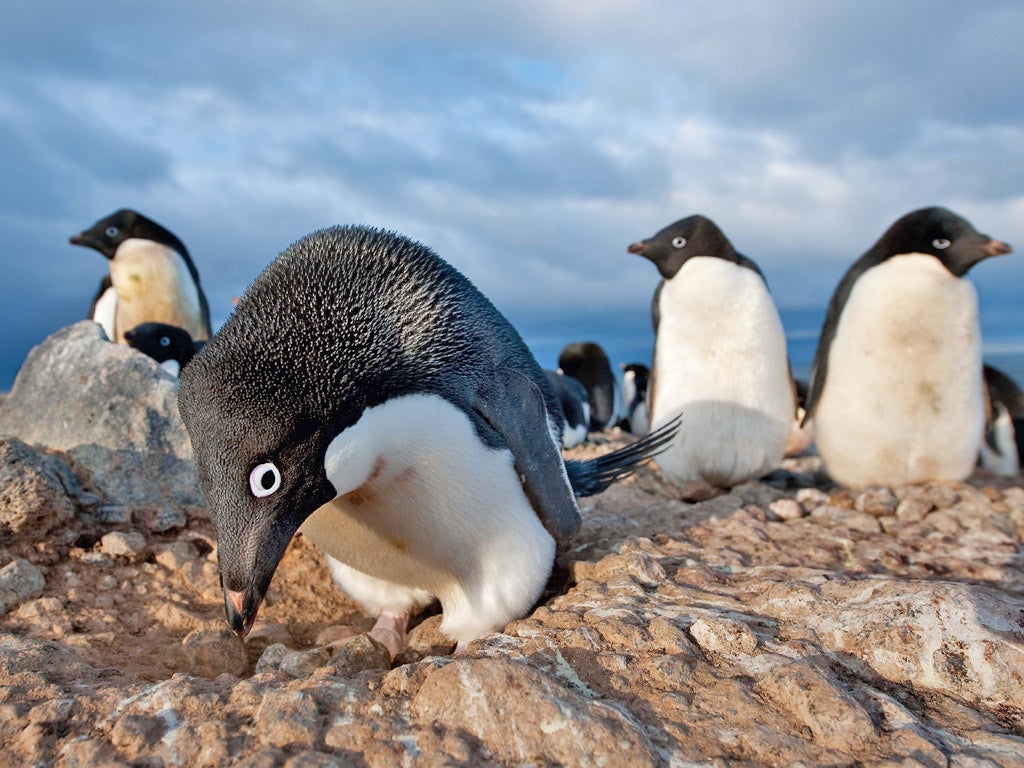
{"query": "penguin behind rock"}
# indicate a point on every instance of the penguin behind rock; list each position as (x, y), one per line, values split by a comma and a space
(896, 385)
(169, 345)
(635, 378)
(367, 393)
(720, 358)
(575, 407)
(151, 274)
(588, 363)
(1002, 448)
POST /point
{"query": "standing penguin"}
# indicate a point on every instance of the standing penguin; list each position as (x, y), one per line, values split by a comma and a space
(588, 363)
(152, 278)
(575, 407)
(719, 358)
(367, 393)
(635, 378)
(896, 385)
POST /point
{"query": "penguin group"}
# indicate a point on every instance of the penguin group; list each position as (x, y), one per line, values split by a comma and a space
(364, 393)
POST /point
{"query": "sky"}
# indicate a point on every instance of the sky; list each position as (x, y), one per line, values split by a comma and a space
(528, 143)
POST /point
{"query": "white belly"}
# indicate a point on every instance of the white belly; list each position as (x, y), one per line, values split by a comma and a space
(721, 361)
(425, 509)
(902, 400)
(153, 284)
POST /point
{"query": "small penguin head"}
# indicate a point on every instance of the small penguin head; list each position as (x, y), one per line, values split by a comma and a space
(162, 342)
(943, 234)
(107, 234)
(693, 236)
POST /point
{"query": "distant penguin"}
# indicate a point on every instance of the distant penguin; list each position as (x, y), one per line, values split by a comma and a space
(801, 436)
(169, 345)
(1002, 449)
(573, 398)
(719, 358)
(588, 363)
(896, 386)
(367, 393)
(635, 378)
(152, 277)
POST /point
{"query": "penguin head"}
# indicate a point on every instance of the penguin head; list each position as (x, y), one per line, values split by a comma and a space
(940, 233)
(695, 235)
(162, 342)
(107, 234)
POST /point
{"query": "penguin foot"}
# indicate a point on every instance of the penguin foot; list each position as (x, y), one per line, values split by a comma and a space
(390, 631)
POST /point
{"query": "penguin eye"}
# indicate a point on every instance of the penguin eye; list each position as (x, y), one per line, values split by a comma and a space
(165, 341)
(941, 243)
(113, 231)
(678, 242)
(264, 480)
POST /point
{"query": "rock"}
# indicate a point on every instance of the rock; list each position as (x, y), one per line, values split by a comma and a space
(302, 664)
(271, 658)
(717, 634)
(19, 581)
(288, 719)
(112, 410)
(212, 652)
(786, 509)
(358, 654)
(125, 544)
(33, 489)
(876, 501)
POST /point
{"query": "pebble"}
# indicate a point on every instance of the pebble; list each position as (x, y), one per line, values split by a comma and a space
(359, 654)
(786, 509)
(877, 502)
(123, 543)
(211, 652)
(19, 581)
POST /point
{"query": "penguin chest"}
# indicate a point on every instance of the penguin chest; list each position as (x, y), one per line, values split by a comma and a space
(720, 360)
(153, 284)
(902, 401)
(422, 503)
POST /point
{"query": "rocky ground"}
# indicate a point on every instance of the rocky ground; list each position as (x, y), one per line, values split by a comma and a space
(786, 623)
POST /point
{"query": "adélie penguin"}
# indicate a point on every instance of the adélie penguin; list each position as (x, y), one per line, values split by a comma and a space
(152, 277)
(588, 363)
(575, 407)
(635, 378)
(719, 358)
(896, 385)
(365, 392)
(169, 345)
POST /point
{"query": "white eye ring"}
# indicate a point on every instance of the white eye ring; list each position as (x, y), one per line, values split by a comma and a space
(113, 231)
(259, 476)
(941, 243)
(165, 341)
(678, 242)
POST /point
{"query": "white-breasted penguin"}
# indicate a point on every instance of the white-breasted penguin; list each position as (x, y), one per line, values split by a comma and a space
(575, 407)
(635, 379)
(152, 277)
(169, 345)
(588, 363)
(1002, 449)
(365, 392)
(896, 385)
(720, 358)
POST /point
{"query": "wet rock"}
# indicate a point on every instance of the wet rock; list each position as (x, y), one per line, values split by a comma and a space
(33, 489)
(19, 581)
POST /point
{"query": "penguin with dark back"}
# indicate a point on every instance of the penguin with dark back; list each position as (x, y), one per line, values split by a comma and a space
(365, 392)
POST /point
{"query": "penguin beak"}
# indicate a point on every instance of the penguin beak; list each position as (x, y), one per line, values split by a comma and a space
(241, 609)
(639, 248)
(87, 240)
(997, 248)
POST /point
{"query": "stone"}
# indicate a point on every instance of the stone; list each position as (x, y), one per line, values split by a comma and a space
(211, 652)
(718, 634)
(876, 501)
(786, 509)
(288, 719)
(33, 489)
(358, 654)
(123, 543)
(301, 664)
(113, 411)
(19, 581)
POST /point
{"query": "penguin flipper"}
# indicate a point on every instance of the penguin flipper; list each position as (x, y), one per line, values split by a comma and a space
(514, 407)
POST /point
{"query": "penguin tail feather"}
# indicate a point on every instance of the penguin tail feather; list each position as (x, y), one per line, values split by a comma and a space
(595, 475)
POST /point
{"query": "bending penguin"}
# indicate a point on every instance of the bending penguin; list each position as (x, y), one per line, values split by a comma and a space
(365, 392)
(575, 407)
(719, 358)
(588, 363)
(896, 385)
(169, 345)
(152, 278)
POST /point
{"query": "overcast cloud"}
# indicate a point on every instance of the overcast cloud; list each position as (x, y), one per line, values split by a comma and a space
(527, 142)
